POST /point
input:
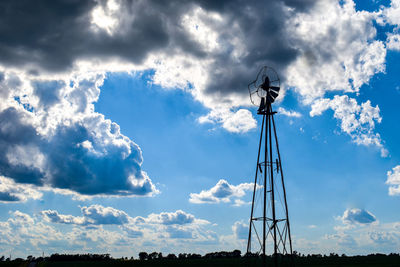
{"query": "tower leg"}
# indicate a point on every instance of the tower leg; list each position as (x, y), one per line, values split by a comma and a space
(255, 188)
(264, 219)
(272, 184)
(284, 192)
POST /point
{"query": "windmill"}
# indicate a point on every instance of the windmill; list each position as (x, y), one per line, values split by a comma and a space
(269, 227)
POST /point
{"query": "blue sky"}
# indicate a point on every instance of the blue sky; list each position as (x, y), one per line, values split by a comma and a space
(107, 150)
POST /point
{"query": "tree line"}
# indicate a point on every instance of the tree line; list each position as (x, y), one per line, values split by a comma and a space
(157, 256)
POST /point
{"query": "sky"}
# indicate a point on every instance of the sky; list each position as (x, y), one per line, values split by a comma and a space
(126, 126)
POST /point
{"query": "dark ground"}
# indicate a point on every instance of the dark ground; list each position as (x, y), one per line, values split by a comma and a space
(379, 260)
(209, 260)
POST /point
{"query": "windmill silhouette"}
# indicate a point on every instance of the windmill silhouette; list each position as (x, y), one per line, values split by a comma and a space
(269, 227)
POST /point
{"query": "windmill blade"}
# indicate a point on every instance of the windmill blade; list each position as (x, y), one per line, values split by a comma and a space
(273, 93)
(276, 88)
(270, 98)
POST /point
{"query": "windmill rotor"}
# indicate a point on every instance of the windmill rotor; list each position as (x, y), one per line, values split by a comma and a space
(265, 88)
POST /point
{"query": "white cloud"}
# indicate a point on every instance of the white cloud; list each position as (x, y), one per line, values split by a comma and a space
(100, 215)
(221, 192)
(178, 217)
(22, 229)
(289, 113)
(240, 202)
(97, 214)
(389, 15)
(113, 230)
(338, 55)
(393, 180)
(393, 41)
(240, 121)
(105, 17)
(358, 216)
(358, 121)
(54, 217)
(173, 230)
(91, 215)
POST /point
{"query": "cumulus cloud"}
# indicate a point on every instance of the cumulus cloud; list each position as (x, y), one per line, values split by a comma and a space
(97, 214)
(54, 217)
(21, 227)
(357, 216)
(100, 215)
(393, 41)
(26, 234)
(178, 217)
(55, 117)
(177, 225)
(92, 215)
(338, 55)
(358, 121)
(222, 192)
(390, 15)
(235, 122)
(393, 180)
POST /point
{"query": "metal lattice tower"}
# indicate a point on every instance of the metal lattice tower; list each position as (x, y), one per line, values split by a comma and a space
(269, 227)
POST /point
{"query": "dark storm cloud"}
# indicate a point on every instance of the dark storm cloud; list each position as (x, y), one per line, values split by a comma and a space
(54, 34)
(266, 42)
